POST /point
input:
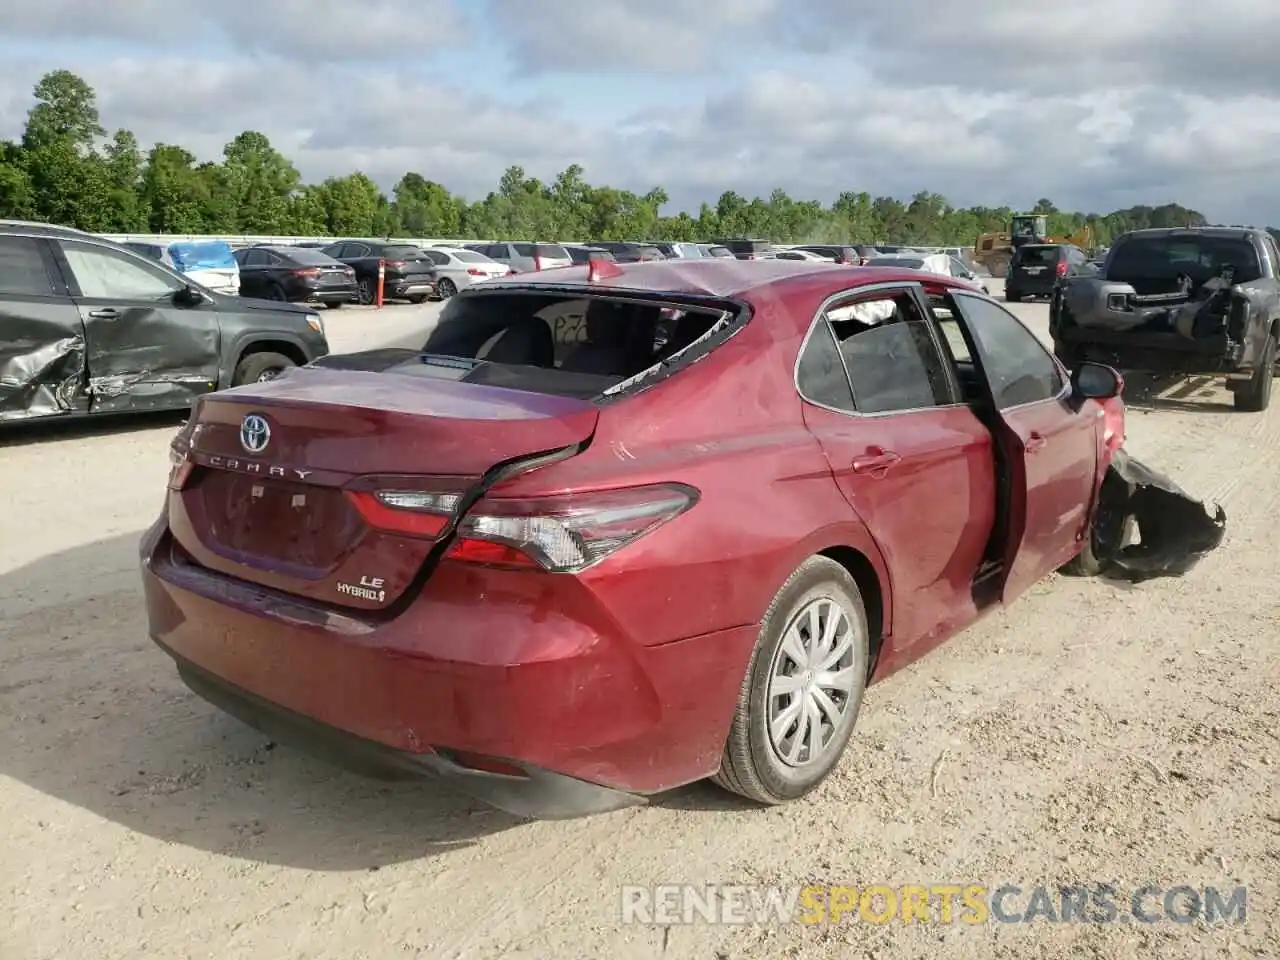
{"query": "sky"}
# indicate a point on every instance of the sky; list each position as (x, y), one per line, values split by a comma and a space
(1094, 104)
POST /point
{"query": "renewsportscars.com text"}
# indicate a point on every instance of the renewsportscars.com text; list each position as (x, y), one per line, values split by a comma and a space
(674, 904)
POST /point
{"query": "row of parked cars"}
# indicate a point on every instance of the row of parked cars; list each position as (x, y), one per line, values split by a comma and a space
(347, 271)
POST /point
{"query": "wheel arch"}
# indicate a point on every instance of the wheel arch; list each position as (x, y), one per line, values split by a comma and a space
(284, 347)
(865, 575)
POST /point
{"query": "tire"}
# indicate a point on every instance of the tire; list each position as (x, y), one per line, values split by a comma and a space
(366, 292)
(1012, 297)
(260, 366)
(1111, 531)
(1256, 395)
(333, 306)
(753, 764)
(277, 293)
(445, 289)
(418, 299)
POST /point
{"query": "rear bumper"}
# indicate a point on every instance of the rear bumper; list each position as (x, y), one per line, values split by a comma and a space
(559, 690)
(341, 294)
(409, 288)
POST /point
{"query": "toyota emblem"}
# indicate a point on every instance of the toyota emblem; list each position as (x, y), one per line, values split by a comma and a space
(255, 434)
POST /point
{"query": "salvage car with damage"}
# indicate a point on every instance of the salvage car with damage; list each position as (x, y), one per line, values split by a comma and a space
(1183, 302)
(88, 326)
(617, 528)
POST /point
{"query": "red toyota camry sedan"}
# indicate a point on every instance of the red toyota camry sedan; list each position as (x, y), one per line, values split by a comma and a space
(619, 528)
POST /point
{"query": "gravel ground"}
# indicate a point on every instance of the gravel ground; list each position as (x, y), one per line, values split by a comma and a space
(1089, 733)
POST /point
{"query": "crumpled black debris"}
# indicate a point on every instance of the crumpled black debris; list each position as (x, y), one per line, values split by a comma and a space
(1175, 531)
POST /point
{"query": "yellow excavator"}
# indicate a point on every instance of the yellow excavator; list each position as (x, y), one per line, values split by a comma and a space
(995, 250)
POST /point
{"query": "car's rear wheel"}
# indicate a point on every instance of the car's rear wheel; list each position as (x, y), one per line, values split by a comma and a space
(1254, 396)
(1012, 296)
(803, 688)
(277, 293)
(445, 289)
(334, 306)
(257, 367)
(365, 291)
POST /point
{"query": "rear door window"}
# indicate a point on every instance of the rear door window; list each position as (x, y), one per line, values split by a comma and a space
(524, 249)
(22, 268)
(891, 355)
(103, 274)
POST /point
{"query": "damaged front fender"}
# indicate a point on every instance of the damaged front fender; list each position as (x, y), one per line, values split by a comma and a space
(1174, 530)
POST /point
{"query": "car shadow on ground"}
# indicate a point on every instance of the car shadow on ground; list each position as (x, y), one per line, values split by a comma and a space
(93, 715)
(1144, 393)
(46, 430)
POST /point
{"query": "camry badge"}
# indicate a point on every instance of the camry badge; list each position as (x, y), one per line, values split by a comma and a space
(255, 434)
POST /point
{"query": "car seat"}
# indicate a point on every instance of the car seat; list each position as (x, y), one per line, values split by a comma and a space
(526, 343)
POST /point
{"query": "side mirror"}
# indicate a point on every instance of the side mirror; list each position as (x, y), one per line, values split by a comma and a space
(1096, 381)
(188, 296)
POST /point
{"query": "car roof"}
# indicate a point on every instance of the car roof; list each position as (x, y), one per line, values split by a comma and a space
(720, 278)
(46, 230)
(1150, 232)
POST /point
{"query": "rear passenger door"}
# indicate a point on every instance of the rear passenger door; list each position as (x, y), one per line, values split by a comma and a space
(42, 362)
(913, 462)
(1051, 446)
(254, 281)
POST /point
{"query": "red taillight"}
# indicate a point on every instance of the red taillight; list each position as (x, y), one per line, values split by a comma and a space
(310, 273)
(567, 533)
(393, 264)
(180, 467)
(1062, 268)
(475, 271)
(414, 513)
(1113, 424)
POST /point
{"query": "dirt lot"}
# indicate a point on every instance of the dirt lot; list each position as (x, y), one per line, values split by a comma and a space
(1090, 733)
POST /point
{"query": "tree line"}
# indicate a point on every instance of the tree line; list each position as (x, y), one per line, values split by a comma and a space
(67, 170)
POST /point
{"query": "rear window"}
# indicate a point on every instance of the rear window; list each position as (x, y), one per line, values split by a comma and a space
(402, 252)
(1164, 259)
(719, 252)
(567, 346)
(307, 255)
(1039, 256)
(470, 256)
(552, 251)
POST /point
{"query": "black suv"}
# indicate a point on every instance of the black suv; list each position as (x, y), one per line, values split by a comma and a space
(1179, 301)
(1036, 269)
(295, 275)
(88, 326)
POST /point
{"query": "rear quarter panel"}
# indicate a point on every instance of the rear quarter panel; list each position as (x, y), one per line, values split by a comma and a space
(731, 426)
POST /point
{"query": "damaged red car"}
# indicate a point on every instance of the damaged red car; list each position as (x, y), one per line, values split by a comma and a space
(619, 528)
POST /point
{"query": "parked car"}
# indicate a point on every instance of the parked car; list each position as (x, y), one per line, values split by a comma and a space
(503, 559)
(938, 264)
(408, 273)
(628, 252)
(524, 257)
(852, 254)
(1185, 301)
(211, 264)
(797, 253)
(744, 249)
(1037, 267)
(583, 254)
(295, 275)
(456, 269)
(715, 250)
(679, 251)
(89, 326)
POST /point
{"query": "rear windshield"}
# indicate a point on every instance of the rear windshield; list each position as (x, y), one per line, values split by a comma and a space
(552, 251)
(719, 252)
(470, 256)
(1038, 256)
(568, 346)
(1163, 259)
(402, 252)
(307, 255)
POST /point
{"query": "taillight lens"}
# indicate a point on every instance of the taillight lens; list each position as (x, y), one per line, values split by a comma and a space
(414, 513)
(393, 264)
(569, 533)
(1062, 268)
(310, 273)
(475, 271)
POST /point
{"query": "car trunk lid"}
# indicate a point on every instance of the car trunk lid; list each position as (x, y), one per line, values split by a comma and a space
(299, 484)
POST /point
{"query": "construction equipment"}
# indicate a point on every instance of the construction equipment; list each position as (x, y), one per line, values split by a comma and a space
(995, 250)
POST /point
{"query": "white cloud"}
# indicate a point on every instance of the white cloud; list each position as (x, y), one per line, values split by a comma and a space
(1096, 108)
